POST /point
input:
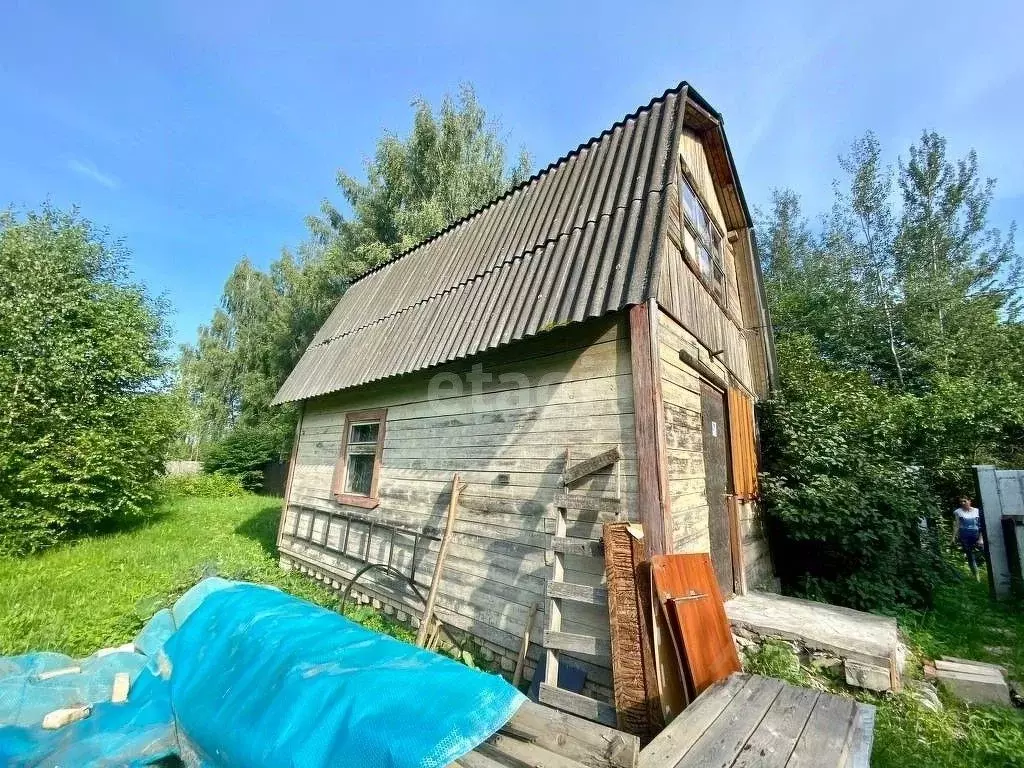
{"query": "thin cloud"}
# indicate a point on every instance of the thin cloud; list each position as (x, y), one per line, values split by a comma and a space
(90, 171)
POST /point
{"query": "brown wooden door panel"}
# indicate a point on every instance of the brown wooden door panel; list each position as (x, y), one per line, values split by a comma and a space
(716, 478)
(687, 588)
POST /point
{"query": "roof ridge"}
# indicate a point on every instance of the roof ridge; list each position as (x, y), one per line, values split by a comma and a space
(523, 184)
(493, 268)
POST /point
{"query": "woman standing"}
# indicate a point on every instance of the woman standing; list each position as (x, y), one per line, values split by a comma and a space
(968, 531)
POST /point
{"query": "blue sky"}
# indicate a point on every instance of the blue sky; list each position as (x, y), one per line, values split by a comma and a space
(200, 132)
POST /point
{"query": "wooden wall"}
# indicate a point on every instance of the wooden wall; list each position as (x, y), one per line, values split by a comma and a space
(695, 321)
(687, 494)
(570, 388)
(680, 386)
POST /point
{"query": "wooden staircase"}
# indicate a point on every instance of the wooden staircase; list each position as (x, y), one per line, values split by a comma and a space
(589, 512)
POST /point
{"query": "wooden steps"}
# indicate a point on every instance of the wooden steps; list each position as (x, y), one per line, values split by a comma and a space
(582, 513)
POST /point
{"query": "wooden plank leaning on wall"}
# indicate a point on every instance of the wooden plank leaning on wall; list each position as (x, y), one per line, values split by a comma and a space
(291, 472)
(649, 420)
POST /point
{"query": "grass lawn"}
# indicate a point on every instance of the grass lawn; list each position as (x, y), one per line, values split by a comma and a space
(964, 623)
(99, 592)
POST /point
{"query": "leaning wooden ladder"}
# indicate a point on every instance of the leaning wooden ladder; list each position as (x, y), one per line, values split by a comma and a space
(558, 589)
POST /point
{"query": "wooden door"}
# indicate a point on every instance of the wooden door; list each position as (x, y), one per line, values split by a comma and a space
(687, 589)
(716, 478)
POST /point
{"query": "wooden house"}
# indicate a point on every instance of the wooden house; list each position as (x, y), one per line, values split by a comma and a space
(611, 305)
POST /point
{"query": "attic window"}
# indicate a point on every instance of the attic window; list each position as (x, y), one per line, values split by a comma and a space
(357, 473)
(702, 239)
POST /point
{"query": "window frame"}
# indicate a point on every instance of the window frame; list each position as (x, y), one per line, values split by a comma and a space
(716, 281)
(352, 418)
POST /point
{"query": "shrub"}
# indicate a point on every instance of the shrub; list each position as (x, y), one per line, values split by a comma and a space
(204, 486)
(244, 451)
(83, 425)
(844, 505)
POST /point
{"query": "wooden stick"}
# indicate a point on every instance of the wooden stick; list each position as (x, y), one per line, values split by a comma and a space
(517, 677)
(428, 610)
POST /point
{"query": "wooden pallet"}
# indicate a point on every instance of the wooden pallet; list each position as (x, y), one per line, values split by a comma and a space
(541, 736)
(558, 589)
(749, 720)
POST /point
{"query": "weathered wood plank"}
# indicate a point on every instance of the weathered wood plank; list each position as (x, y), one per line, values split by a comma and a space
(583, 547)
(547, 448)
(670, 746)
(587, 502)
(578, 593)
(591, 465)
(721, 743)
(827, 736)
(516, 752)
(567, 641)
(477, 759)
(575, 704)
(563, 418)
(599, 433)
(772, 742)
(589, 742)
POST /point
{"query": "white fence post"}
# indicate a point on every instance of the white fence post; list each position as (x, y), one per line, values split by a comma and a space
(995, 546)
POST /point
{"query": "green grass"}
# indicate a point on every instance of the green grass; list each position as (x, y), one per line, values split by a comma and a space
(99, 592)
(963, 623)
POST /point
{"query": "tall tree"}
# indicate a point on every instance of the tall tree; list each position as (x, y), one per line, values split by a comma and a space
(83, 424)
(452, 162)
(898, 321)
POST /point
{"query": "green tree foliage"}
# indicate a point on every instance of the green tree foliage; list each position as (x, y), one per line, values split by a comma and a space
(83, 427)
(452, 162)
(901, 365)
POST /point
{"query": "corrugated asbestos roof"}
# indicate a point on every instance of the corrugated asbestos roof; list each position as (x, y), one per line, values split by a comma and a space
(577, 240)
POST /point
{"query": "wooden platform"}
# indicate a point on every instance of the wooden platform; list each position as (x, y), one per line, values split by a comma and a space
(547, 738)
(749, 720)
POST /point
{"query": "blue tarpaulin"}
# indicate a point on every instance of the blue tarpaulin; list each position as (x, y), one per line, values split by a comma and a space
(238, 676)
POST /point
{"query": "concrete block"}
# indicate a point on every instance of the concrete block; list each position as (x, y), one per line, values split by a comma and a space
(974, 682)
(869, 644)
(869, 676)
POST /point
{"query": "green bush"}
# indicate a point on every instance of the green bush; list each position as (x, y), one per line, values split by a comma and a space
(243, 453)
(204, 486)
(83, 424)
(844, 505)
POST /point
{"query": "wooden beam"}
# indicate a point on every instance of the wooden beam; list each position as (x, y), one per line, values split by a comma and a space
(649, 421)
(591, 465)
(591, 709)
(517, 677)
(435, 583)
